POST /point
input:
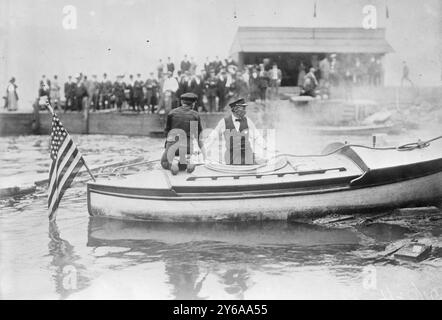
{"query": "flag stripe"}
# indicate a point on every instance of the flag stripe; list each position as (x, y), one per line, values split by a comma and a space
(60, 178)
(55, 163)
(62, 181)
(72, 153)
(66, 145)
(62, 191)
(60, 167)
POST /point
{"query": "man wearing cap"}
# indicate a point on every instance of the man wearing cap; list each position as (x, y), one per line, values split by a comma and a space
(138, 93)
(183, 124)
(106, 92)
(80, 93)
(150, 93)
(244, 145)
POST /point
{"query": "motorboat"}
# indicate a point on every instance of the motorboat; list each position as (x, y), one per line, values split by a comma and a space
(344, 179)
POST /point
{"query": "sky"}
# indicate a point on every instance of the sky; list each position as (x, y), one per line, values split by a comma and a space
(129, 36)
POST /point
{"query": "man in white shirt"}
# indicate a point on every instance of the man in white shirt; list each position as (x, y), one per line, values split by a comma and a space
(170, 86)
(170, 83)
(243, 144)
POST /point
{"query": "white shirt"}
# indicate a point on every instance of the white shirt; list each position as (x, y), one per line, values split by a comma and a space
(212, 143)
(246, 77)
(170, 84)
(11, 88)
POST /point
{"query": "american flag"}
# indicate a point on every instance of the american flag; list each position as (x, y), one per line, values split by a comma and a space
(66, 162)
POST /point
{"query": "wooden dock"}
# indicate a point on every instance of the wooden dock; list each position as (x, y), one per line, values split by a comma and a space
(107, 123)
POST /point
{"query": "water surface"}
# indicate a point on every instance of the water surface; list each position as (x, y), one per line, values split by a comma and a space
(80, 257)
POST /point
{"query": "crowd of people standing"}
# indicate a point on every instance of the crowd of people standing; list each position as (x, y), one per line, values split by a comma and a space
(216, 83)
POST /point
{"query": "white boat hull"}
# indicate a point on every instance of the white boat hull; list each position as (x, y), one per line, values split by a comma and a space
(277, 206)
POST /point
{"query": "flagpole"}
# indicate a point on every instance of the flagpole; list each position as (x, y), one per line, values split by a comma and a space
(51, 110)
(88, 170)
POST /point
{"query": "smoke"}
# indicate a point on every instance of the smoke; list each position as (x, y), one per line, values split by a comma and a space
(394, 115)
(294, 127)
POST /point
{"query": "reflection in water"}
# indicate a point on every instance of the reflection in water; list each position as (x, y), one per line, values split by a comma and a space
(236, 282)
(67, 276)
(383, 232)
(185, 278)
(228, 251)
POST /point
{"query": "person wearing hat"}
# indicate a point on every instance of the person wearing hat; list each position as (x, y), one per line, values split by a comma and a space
(69, 93)
(106, 88)
(183, 125)
(138, 93)
(170, 65)
(150, 93)
(80, 92)
(11, 95)
(118, 92)
(243, 144)
(55, 93)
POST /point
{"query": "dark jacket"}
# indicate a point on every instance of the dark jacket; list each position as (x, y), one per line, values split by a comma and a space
(222, 86)
(171, 67)
(181, 118)
(185, 66)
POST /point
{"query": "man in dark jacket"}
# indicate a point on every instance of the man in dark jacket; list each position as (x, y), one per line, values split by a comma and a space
(183, 125)
(80, 93)
(170, 66)
(222, 90)
(118, 92)
(105, 92)
(211, 85)
(138, 93)
(185, 64)
(151, 93)
(69, 94)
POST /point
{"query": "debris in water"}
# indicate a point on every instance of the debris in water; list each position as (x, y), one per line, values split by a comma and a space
(414, 251)
(329, 220)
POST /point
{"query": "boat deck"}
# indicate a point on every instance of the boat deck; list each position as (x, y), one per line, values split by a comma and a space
(294, 173)
(296, 170)
(390, 158)
(354, 167)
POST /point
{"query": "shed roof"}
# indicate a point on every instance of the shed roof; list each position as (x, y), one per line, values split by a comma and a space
(311, 40)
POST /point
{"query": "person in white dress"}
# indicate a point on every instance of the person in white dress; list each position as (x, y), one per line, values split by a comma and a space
(12, 96)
